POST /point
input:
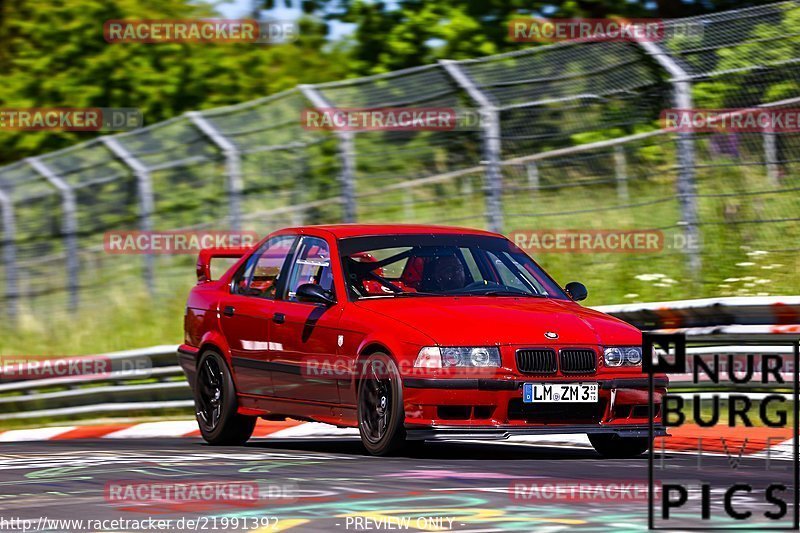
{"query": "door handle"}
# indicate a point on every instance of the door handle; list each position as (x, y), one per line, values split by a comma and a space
(228, 310)
(279, 318)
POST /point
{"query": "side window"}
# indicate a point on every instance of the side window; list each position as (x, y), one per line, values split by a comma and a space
(312, 264)
(262, 271)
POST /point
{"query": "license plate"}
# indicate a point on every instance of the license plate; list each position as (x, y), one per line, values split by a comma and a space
(559, 393)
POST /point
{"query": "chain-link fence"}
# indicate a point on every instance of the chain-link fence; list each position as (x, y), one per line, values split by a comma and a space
(570, 138)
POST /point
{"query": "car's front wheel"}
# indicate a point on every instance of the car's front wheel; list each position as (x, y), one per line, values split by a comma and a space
(381, 416)
(616, 447)
(216, 405)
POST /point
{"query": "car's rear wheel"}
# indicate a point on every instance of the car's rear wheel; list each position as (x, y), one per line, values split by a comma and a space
(381, 416)
(216, 405)
(616, 447)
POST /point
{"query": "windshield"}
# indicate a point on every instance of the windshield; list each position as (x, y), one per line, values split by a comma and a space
(442, 265)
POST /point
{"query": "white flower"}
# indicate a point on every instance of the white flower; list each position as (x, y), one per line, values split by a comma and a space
(649, 277)
(731, 280)
(631, 295)
(755, 253)
(745, 264)
(763, 281)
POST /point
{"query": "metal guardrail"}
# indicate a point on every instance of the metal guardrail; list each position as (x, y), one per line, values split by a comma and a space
(710, 312)
(152, 382)
(155, 382)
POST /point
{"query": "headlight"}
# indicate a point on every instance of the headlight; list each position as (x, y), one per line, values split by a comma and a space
(448, 357)
(623, 355)
(633, 356)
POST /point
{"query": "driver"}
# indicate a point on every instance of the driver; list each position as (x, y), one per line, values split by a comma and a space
(444, 273)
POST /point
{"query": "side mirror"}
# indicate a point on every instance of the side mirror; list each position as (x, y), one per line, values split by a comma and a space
(311, 292)
(576, 291)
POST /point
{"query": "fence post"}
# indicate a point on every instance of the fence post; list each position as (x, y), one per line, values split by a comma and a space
(491, 143)
(621, 171)
(532, 172)
(687, 194)
(69, 225)
(347, 154)
(771, 156)
(146, 201)
(10, 256)
(233, 165)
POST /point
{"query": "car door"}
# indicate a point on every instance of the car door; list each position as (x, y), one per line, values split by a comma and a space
(246, 314)
(304, 336)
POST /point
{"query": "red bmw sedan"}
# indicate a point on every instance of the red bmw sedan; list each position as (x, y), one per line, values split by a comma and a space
(410, 333)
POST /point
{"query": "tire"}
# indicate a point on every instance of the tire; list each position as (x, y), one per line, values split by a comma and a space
(216, 405)
(381, 415)
(616, 447)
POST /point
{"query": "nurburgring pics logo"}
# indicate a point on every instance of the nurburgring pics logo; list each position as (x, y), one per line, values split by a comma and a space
(744, 120)
(70, 118)
(200, 31)
(175, 242)
(740, 417)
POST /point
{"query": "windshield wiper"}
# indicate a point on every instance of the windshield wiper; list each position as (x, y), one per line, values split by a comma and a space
(418, 293)
(500, 292)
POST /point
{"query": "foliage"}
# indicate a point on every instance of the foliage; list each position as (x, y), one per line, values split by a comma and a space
(53, 54)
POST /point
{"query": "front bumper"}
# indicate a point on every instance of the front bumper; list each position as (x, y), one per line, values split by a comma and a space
(456, 408)
(516, 384)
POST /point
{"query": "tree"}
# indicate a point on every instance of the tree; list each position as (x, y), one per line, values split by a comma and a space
(407, 33)
(53, 54)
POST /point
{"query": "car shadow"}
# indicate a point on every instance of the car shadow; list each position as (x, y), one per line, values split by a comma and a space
(435, 450)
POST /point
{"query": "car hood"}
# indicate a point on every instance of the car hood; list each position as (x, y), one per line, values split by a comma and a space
(478, 320)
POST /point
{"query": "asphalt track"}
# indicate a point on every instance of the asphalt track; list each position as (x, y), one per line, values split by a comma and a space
(335, 487)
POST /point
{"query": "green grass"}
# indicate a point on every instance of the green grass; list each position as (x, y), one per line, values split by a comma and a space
(137, 321)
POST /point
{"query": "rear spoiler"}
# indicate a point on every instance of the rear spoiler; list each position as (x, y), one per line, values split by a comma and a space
(207, 254)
